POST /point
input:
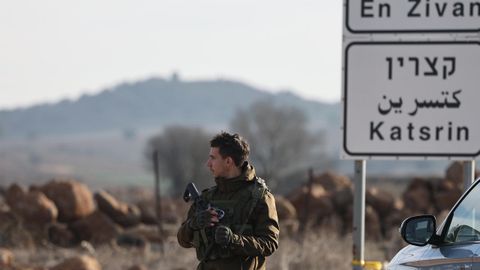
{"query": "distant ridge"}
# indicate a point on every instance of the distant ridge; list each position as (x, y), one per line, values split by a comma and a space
(154, 103)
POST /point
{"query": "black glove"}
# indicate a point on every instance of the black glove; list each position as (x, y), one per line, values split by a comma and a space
(203, 219)
(223, 236)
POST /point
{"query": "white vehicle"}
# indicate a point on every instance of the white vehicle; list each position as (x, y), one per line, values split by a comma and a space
(454, 245)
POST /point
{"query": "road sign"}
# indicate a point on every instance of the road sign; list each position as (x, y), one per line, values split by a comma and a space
(410, 99)
(412, 16)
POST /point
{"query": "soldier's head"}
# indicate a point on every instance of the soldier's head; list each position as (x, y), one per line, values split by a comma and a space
(228, 152)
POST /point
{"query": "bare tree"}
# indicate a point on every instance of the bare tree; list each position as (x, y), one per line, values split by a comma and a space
(182, 154)
(278, 137)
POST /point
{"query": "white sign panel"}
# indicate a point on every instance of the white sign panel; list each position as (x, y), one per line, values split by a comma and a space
(394, 16)
(411, 99)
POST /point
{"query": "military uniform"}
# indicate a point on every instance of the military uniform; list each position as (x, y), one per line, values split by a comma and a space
(249, 212)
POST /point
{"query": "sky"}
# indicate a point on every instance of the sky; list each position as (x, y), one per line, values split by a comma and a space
(57, 49)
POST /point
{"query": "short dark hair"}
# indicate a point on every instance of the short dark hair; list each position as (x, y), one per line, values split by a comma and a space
(233, 146)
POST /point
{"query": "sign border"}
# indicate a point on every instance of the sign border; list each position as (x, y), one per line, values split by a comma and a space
(447, 31)
(345, 86)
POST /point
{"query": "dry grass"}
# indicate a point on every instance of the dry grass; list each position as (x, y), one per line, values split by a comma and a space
(317, 250)
(320, 250)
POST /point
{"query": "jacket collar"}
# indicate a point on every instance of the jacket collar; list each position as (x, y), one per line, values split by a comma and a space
(235, 183)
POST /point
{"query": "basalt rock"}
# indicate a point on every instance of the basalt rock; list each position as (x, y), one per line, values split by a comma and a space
(73, 199)
(123, 214)
(83, 262)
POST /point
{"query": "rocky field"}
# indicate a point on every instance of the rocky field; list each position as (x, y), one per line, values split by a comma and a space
(63, 224)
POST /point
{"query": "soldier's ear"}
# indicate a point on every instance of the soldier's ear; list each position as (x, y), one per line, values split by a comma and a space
(230, 161)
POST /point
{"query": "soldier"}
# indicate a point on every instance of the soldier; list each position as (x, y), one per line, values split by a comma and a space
(246, 230)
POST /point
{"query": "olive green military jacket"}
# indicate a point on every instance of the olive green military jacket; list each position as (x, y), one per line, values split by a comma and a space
(250, 247)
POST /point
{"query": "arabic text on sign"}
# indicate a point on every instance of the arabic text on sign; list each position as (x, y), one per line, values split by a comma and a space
(386, 106)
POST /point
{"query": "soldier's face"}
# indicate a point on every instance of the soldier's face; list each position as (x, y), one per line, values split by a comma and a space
(218, 165)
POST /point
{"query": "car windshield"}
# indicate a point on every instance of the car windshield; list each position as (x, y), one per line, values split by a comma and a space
(465, 223)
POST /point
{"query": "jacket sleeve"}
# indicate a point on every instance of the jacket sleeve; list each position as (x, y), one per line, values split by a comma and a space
(264, 240)
(185, 234)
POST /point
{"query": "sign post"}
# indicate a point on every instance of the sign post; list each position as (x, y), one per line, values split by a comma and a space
(359, 215)
(410, 87)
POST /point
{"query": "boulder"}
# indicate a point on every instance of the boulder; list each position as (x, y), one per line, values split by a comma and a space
(312, 207)
(445, 185)
(285, 208)
(60, 235)
(382, 201)
(73, 199)
(372, 223)
(130, 240)
(446, 194)
(418, 197)
(33, 207)
(373, 229)
(420, 183)
(123, 214)
(147, 212)
(331, 181)
(289, 227)
(14, 233)
(96, 228)
(299, 195)
(334, 223)
(342, 199)
(321, 208)
(391, 223)
(147, 232)
(13, 193)
(172, 210)
(8, 220)
(138, 267)
(445, 200)
(287, 214)
(418, 201)
(83, 262)
(454, 173)
(6, 258)
(8, 223)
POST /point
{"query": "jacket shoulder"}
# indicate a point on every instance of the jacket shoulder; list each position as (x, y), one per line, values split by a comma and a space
(261, 188)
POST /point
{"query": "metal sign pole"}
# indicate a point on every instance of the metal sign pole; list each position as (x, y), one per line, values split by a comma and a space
(468, 173)
(158, 203)
(359, 215)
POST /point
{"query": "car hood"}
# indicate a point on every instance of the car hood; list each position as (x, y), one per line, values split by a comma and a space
(407, 254)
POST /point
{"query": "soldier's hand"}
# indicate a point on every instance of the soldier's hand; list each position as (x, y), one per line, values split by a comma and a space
(223, 235)
(204, 219)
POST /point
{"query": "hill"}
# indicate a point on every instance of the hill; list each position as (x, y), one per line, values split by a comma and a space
(101, 138)
(153, 103)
